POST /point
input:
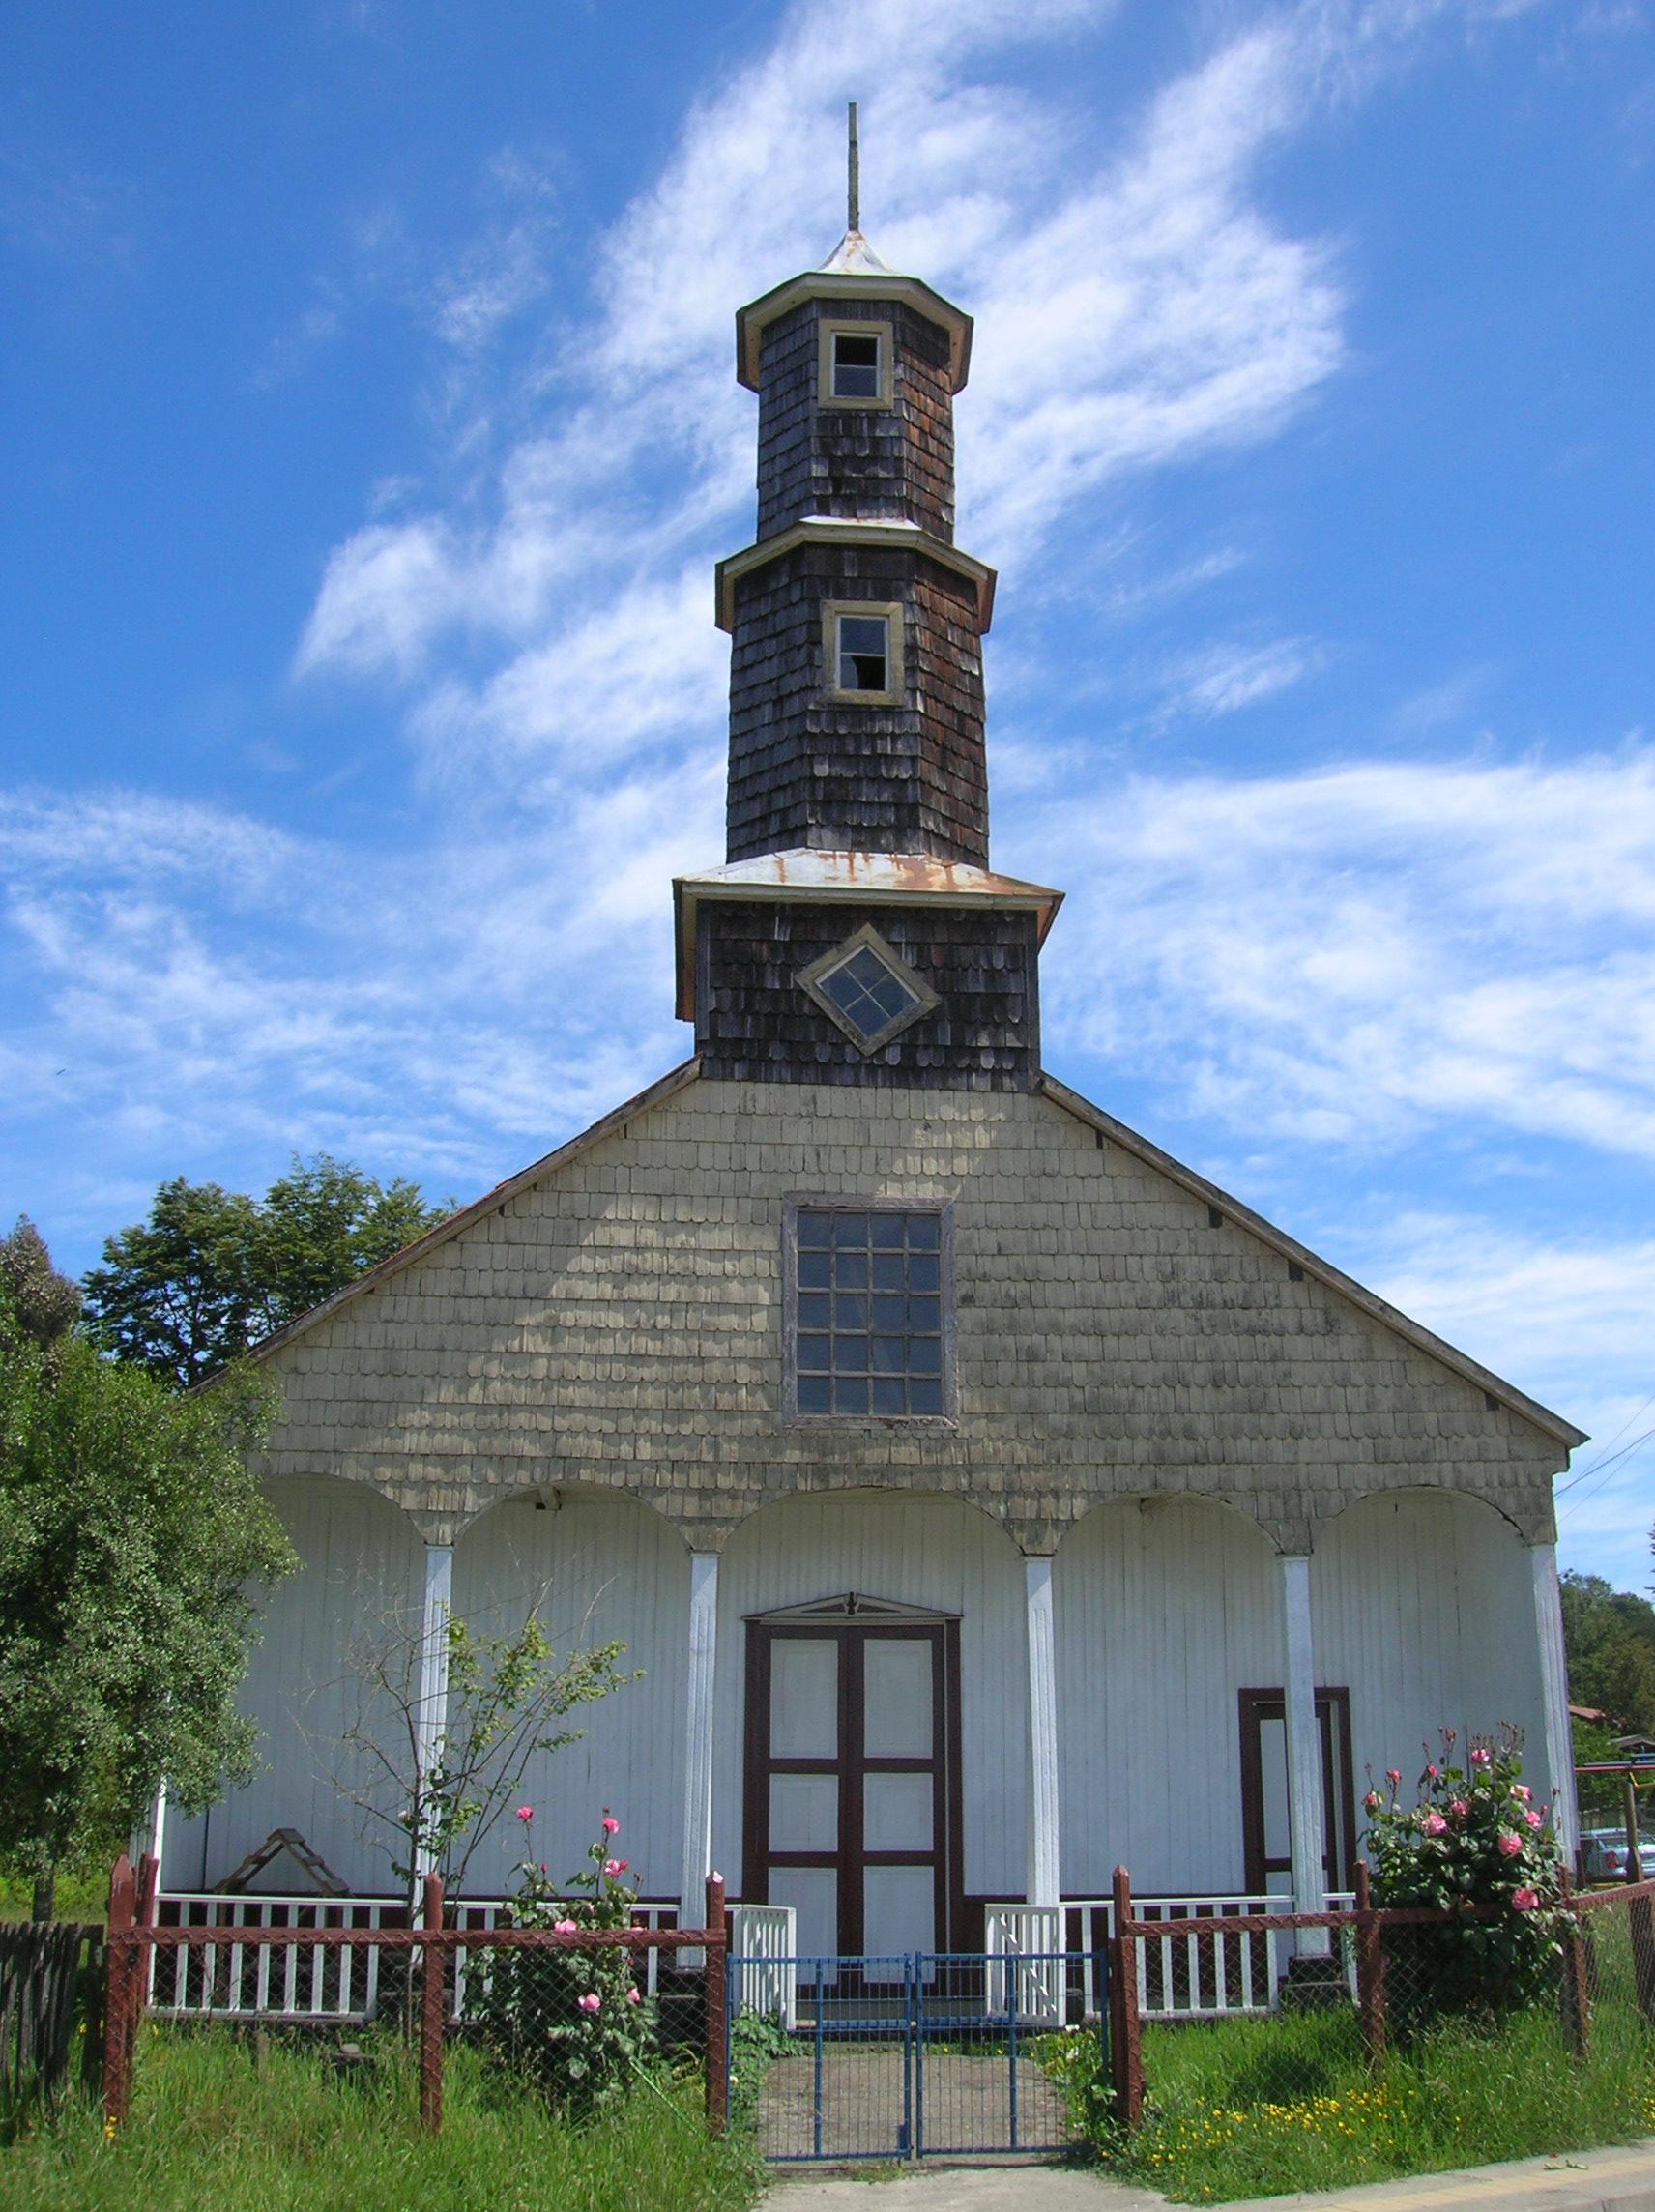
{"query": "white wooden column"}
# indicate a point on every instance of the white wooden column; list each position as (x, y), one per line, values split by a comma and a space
(698, 1738)
(1554, 1696)
(431, 1710)
(1307, 1842)
(1042, 1872)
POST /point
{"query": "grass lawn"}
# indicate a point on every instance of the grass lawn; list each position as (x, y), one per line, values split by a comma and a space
(1259, 2107)
(208, 2127)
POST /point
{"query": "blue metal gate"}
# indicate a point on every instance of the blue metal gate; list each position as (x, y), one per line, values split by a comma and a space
(836, 2059)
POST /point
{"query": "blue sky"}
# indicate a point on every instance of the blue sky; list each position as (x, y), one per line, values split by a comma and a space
(370, 430)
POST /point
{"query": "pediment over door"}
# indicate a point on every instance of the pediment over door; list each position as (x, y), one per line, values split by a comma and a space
(850, 1606)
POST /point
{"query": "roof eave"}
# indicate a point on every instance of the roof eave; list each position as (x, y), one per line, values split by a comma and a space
(752, 320)
(833, 530)
(1008, 893)
(664, 1086)
(1368, 1301)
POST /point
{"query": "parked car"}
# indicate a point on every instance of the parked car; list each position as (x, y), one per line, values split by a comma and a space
(1605, 1857)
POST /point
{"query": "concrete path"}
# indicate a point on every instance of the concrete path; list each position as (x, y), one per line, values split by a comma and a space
(1619, 2180)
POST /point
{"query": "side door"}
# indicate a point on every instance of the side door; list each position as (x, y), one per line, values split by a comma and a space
(1267, 1845)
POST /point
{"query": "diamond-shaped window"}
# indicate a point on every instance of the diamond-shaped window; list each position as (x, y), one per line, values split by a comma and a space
(867, 989)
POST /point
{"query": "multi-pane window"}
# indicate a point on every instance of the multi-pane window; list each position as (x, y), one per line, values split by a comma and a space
(868, 1331)
(855, 372)
(868, 989)
(865, 653)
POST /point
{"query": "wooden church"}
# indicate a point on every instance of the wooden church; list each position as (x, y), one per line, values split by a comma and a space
(986, 1498)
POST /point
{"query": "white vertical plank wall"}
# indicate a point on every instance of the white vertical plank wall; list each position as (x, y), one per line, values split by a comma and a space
(1424, 1607)
(1165, 1609)
(597, 1567)
(363, 1576)
(913, 1549)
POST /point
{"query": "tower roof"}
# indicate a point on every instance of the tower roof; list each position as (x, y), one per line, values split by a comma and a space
(853, 271)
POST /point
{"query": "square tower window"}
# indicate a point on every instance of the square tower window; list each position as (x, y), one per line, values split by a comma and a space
(868, 1310)
(867, 989)
(855, 369)
(863, 644)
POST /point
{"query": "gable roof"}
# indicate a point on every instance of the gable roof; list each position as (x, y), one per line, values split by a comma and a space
(666, 1087)
(1067, 1101)
(1335, 1279)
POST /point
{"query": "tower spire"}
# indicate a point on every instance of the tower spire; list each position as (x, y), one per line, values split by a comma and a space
(854, 175)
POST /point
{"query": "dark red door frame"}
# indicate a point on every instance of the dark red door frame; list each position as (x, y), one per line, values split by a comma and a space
(851, 1765)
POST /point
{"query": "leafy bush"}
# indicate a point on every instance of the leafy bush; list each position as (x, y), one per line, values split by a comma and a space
(572, 2022)
(1472, 1840)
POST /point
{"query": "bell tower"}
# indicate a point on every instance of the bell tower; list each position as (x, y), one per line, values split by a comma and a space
(874, 943)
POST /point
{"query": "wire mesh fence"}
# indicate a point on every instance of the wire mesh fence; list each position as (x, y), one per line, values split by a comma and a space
(577, 2013)
(1376, 2008)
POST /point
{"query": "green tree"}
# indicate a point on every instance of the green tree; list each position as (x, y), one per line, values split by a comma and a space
(44, 1304)
(212, 1271)
(1609, 1636)
(134, 1545)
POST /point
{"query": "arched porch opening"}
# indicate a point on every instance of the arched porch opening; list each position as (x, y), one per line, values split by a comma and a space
(310, 1690)
(887, 1733)
(1168, 1608)
(593, 1567)
(1422, 1601)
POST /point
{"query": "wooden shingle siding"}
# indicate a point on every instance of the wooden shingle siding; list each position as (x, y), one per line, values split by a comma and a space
(895, 463)
(806, 770)
(754, 1023)
(621, 1322)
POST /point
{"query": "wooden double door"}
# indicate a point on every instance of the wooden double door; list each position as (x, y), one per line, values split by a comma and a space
(853, 1778)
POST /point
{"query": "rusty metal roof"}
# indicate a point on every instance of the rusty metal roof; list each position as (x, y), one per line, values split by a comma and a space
(874, 879)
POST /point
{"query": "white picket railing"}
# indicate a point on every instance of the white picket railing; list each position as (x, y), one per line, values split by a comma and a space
(1183, 1974)
(763, 1946)
(305, 1980)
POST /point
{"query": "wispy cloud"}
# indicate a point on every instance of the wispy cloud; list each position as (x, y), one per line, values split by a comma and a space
(1133, 305)
(1349, 955)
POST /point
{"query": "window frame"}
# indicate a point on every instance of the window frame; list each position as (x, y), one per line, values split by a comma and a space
(839, 327)
(812, 981)
(942, 1209)
(891, 612)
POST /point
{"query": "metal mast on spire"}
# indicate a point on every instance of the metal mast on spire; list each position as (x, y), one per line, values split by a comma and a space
(853, 177)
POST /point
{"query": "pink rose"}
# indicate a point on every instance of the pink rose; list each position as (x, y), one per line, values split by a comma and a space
(1373, 1801)
(591, 2002)
(1458, 1807)
(1479, 1758)
(1526, 1900)
(613, 1867)
(1520, 1790)
(632, 1996)
(1432, 1772)
(1393, 1775)
(1509, 1843)
(565, 1927)
(1436, 1824)
(525, 1812)
(610, 1827)
(1532, 1818)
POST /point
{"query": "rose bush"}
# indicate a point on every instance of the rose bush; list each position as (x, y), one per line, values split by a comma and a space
(1473, 1838)
(573, 2023)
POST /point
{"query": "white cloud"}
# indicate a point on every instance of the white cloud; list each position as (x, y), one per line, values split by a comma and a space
(1133, 307)
(1349, 955)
